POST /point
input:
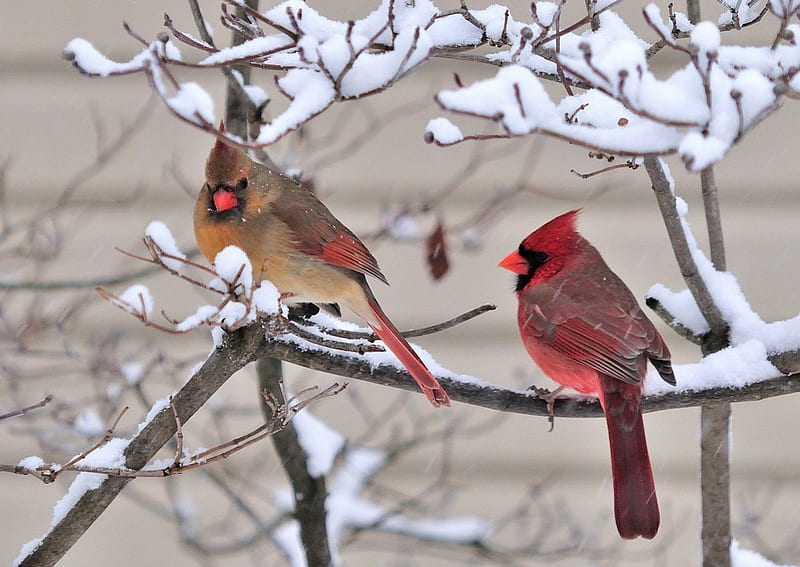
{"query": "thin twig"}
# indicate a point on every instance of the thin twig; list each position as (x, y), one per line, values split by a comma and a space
(23, 411)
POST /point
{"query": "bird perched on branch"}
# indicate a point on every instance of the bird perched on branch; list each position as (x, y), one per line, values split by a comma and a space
(582, 326)
(293, 240)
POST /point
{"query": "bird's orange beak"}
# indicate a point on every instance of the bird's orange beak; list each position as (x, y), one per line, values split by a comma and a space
(514, 263)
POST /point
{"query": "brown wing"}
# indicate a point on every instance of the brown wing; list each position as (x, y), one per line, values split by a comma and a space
(317, 232)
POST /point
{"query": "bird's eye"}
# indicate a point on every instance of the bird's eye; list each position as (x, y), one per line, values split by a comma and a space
(242, 184)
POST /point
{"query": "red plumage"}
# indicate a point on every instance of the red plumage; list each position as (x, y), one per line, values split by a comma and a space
(582, 326)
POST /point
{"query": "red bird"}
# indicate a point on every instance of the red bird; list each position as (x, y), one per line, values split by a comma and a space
(294, 241)
(582, 326)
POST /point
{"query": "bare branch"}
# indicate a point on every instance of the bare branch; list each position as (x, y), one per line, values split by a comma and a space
(28, 409)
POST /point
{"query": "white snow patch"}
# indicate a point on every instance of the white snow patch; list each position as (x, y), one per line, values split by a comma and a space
(193, 103)
(746, 558)
(31, 463)
(163, 238)
(132, 371)
(444, 131)
(89, 424)
(137, 301)
(232, 265)
(320, 442)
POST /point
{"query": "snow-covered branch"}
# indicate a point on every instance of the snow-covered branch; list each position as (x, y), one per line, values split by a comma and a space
(700, 111)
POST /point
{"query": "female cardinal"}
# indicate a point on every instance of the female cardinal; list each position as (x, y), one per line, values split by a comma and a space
(581, 324)
(294, 241)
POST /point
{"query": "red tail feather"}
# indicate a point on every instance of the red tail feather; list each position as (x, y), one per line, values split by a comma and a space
(395, 342)
(635, 502)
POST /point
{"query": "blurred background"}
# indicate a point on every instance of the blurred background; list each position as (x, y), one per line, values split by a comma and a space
(367, 159)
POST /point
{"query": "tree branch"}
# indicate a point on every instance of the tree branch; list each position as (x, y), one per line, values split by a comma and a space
(309, 491)
(237, 350)
(718, 337)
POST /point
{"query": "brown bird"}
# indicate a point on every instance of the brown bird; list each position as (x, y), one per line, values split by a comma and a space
(294, 241)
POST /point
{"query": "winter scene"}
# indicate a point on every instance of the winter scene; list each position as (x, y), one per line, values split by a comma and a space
(400, 282)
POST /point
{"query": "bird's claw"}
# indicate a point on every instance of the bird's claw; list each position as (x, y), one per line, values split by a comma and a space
(549, 397)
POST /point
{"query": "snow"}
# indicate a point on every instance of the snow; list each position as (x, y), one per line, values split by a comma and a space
(682, 306)
(266, 298)
(199, 317)
(698, 151)
(89, 424)
(250, 48)
(784, 8)
(233, 266)
(154, 411)
(457, 530)
(110, 455)
(287, 538)
(494, 20)
(443, 131)
(31, 463)
(162, 237)
(132, 371)
(82, 484)
(193, 103)
(134, 299)
(310, 93)
(371, 72)
(746, 558)
(26, 550)
(454, 30)
(321, 443)
(400, 225)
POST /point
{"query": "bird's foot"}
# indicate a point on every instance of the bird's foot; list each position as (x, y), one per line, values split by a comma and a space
(549, 397)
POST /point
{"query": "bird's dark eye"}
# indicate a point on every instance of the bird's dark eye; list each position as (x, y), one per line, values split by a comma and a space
(242, 184)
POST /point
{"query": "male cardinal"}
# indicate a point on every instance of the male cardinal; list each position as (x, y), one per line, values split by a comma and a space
(293, 240)
(581, 324)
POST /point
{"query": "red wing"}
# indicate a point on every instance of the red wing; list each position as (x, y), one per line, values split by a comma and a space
(609, 339)
(317, 232)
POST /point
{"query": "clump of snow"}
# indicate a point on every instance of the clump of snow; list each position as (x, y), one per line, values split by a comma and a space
(26, 550)
(193, 103)
(784, 8)
(698, 151)
(199, 317)
(682, 306)
(132, 371)
(89, 424)
(457, 530)
(732, 367)
(443, 131)
(320, 442)
(266, 298)
(250, 48)
(746, 558)
(82, 484)
(31, 463)
(399, 224)
(162, 237)
(234, 313)
(110, 455)
(310, 93)
(233, 266)
(287, 537)
(136, 300)
(154, 411)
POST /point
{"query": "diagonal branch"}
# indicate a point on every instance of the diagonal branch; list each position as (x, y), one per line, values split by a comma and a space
(683, 255)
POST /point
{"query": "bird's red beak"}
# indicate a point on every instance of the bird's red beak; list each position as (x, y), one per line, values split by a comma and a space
(224, 199)
(515, 263)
